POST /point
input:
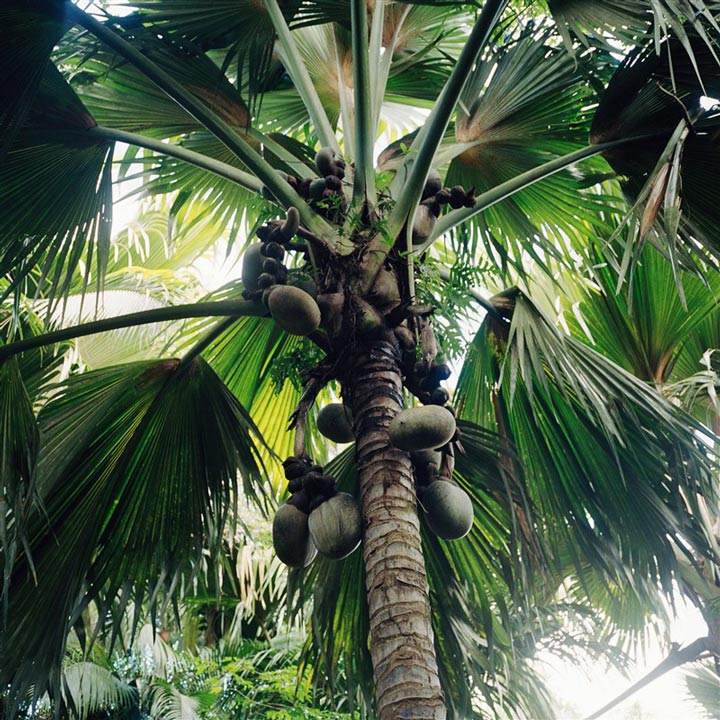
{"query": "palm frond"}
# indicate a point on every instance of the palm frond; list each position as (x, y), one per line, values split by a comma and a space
(137, 471)
(627, 21)
(703, 687)
(242, 31)
(657, 93)
(89, 688)
(646, 325)
(524, 104)
(54, 165)
(29, 31)
(608, 461)
(121, 97)
(18, 454)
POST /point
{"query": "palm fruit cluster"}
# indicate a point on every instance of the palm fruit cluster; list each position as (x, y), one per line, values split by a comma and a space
(316, 517)
(429, 432)
(434, 197)
(265, 277)
(325, 194)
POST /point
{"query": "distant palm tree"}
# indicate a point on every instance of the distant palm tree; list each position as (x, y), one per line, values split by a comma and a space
(522, 153)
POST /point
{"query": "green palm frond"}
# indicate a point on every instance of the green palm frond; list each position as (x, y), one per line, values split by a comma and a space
(18, 454)
(40, 367)
(608, 461)
(242, 31)
(646, 326)
(121, 97)
(54, 165)
(525, 103)
(251, 358)
(137, 469)
(627, 20)
(230, 207)
(29, 29)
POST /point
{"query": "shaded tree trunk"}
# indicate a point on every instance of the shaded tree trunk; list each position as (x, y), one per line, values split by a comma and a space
(401, 638)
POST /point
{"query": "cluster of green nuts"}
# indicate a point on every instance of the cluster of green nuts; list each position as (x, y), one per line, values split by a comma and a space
(427, 432)
(325, 194)
(433, 198)
(265, 277)
(316, 517)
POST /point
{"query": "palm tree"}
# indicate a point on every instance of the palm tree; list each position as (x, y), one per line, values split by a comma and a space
(518, 146)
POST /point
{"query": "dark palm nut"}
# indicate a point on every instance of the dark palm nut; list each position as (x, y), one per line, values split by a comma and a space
(423, 224)
(443, 196)
(333, 183)
(457, 197)
(433, 184)
(325, 161)
(422, 428)
(274, 250)
(264, 232)
(303, 188)
(252, 267)
(439, 396)
(296, 467)
(435, 376)
(291, 225)
(270, 265)
(265, 281)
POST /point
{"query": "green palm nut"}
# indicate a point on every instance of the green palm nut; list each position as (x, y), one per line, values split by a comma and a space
(448, 510)
(334, 421)
(293, 310)
(291, 537)
(422, 428)
(335, 526)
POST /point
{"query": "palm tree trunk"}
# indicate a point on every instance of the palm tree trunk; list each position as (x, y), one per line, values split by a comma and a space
(401, 638)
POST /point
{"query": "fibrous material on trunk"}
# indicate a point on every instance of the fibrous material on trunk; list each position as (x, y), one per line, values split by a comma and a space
(401, 637)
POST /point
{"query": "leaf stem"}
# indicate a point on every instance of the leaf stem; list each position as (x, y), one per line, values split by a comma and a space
(222, 130)
(300, 76)
(230, 308)
(409, 181)
(364, 181)
(239, 177)
(520, 182)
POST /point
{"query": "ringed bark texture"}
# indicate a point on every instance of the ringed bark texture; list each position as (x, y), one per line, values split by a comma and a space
(401, 638)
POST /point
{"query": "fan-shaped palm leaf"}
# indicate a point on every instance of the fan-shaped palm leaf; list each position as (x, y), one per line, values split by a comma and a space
(522, 106)
(645, 326)
(29, 31)
(147, 452)
(588, 436)
(56, 166)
